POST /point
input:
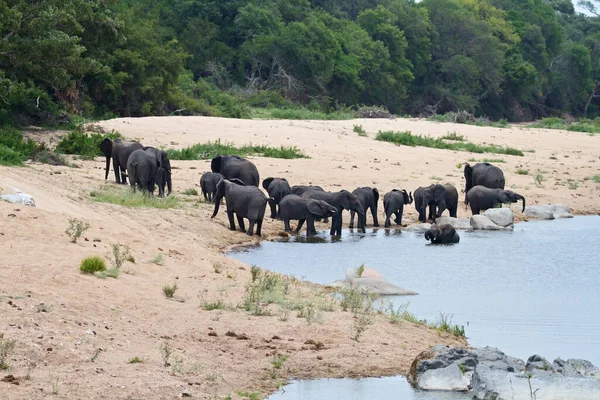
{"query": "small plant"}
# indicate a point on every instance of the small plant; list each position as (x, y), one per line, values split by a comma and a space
(54, 381)
(91, 265)
(284, 315)
(462, 368)
(6, 348)
(522, 171)
(191, 192)
(351, 298)
(595, 178)
(435, 178)
(363, 317)
(109, 273)
(169, 290)
(396, 313)
(454, 136)
(539, 178)
(573, 185)
(360, 270)
(96, 354)
(359, 129)
(136, 360)
(76, 229)
(176, 365)
(165, 353)
(250, 395)
(459, 165)
(217, 267)
(158, 259)
(278, 361)
(308, 312)
(119, 254)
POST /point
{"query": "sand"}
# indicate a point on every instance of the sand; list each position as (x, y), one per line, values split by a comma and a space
(78, 343)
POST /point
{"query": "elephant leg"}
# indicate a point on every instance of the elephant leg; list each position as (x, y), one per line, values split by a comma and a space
(453, 211)
(310, 227)
(123, 176)
(351, 226)
(374, 214)
(117, 170)
(286, 225)
(398, 218)
(241, 223)
(259, 227)
(231, 223)
(250, 231)
(387, 223)
(300, 223)
(362, 221)
(273, 206)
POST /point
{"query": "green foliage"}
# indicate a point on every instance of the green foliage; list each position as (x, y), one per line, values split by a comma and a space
(408, 139)
(6, 348)
(359, 129)
(454, 136)
(123, 196)
(83, 144)
(191, 192)
(595, 178)
(522, 171)
(208, 150)
(303, 113)
(169, 290)
(91, 265)
(583, 125)
(14, 148)
(76, 228)
(136, 360)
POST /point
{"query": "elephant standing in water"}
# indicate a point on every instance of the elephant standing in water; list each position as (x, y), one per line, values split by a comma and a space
(442, 234)
(119, 150)
(484, 174)
(368, 197)
(147, 167)
(208, 185)
(236, 167)
(299, 208)
(481, 198)
(393, 204)
(277, 188)
(438, 198)
(342, 200)
(243, 201)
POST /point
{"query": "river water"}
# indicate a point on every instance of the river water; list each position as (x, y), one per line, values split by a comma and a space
(530, 291)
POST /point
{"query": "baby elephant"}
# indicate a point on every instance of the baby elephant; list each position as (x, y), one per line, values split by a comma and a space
(393, 204)
(277, 188)
(442, 234)
(208, 185)
(303, 209)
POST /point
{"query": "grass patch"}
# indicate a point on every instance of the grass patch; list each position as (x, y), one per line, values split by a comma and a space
(595, 178)
(109, 273)
(92, 265)
(454, 136)
(522, 171)
(573, 185)
(203, 151)
(359, 129)
(86, 145)
(408, 139)
(479, 121)
(191, 192)
(123, 196)
(591, 126)
(300, 113)
(539, 178)
(136, 360)
(14, 148)
(6, 348)
(169, 290)
(158, 259)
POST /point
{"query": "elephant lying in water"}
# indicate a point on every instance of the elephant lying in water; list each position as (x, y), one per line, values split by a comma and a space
(481, 198)
(243, 201)
(299, 208)
(442, 234)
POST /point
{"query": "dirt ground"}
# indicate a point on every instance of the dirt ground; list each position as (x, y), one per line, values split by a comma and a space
(75, 333)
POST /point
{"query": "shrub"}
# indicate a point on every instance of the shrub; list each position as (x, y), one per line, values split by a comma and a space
(14, 148)
(119, 254)
(522, 171)
(359, 129)
(203, 151)
(169, 290)
(76, 229)
(267, 99)
(83, 144)
(191, 192)
(6, 347)
(92, 265)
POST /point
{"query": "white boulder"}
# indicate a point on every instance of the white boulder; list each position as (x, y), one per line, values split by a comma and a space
(456, 223)
(481, 222)
(501, 216)
(548, 211)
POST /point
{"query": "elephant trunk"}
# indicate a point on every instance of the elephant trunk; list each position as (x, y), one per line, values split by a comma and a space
(217, 204)
(519, 197)
(169, 183)
(107, 167)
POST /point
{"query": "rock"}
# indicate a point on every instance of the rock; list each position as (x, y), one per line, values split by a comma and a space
(538, 362)
(484, 223)
(367, 272)
(576, 367)
(371, 281)
(548, 211)
(501, 216)
(457, 223)
(448, 378)
(496, 359)
(418, 227)
(19, 198)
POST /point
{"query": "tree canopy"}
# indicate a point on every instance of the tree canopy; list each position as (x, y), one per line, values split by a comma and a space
(513, 59)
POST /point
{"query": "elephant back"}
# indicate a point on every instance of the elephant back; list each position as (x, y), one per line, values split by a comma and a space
(236, 167)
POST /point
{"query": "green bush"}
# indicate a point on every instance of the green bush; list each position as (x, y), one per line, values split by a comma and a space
(267, 99)
(591, 126)
(92, 265)
(83, 144)
(203, 151)
(14, 148)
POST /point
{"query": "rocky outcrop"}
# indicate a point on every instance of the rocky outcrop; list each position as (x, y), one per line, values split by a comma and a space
(371, 281)
(548, 211)
(503, 217)
(457, 223)
(489, 374)
(481, 222)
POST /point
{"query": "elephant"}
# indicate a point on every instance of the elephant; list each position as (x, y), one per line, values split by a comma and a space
(300, 189)
(119, 150)
(245, 201)
(302, 209)
(208, 185)
(149, 166)
(481, 198)
(368, 197)
(277, 188)
(342, 200)
(442, 234)
(438, 198)
(393, 203)
(484, 174)
(236, 167)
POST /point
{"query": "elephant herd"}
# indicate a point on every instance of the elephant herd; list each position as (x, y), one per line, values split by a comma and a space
(236, 180)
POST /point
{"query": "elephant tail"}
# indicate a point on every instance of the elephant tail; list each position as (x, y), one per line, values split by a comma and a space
(132, 174)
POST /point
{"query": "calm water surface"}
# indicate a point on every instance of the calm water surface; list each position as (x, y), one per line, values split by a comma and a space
(531, 291)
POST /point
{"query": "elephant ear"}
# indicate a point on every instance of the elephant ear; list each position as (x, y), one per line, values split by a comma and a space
(215, 164)
(316, 208)
(106, 146)
(266, 183)
(237, 181)
(406, 197)
(376, 195)
(166, 163)
(221, 188)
